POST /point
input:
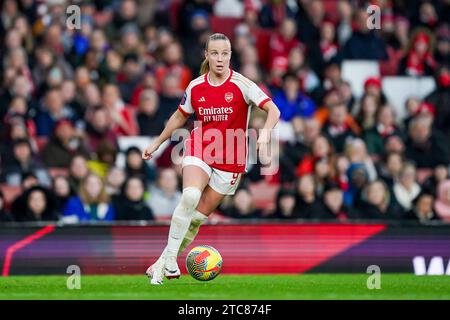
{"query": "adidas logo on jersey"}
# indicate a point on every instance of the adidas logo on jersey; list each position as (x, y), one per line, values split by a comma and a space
(202, 99)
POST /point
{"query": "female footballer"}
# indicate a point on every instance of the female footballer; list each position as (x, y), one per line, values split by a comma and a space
(221, 99)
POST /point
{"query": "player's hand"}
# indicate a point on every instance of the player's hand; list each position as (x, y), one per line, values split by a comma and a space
(263, 139)
(147, 154)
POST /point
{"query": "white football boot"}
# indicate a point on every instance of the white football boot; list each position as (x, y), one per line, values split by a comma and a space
(171, 270)
(156, 272)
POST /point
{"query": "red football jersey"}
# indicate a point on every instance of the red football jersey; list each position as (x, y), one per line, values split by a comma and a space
(219, 137)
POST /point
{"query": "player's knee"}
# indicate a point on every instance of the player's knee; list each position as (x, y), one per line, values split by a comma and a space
(190, 197)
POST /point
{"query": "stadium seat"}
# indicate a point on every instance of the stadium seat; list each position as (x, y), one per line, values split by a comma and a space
(399, 88)
(357, 71)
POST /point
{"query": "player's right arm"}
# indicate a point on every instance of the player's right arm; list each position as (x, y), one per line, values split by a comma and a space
(176, 121)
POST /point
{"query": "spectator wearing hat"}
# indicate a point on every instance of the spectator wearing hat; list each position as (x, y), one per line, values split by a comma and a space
(422, 208)
(373, 86)
(418, 60)
(62, 146)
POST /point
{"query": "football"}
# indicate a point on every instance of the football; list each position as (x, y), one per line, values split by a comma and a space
(204, 263)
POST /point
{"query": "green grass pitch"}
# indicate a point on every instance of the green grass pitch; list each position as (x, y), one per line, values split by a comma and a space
(229, 287)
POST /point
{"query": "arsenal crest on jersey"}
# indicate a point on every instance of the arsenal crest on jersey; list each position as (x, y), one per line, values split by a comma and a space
(228, 97)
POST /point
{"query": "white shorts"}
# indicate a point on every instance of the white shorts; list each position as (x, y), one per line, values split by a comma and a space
(223, 182)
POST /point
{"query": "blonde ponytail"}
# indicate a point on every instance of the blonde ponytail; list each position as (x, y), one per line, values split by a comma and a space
(204, 68)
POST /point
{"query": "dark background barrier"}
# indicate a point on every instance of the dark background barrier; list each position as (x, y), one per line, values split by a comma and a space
(246, 248)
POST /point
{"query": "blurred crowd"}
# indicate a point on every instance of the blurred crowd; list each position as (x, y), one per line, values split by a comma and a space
(67, 96)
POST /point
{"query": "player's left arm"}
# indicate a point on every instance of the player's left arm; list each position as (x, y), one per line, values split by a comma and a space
(273, 115)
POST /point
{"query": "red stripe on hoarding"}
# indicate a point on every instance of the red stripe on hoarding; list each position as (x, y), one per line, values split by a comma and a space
(22, 243)
(268, 248)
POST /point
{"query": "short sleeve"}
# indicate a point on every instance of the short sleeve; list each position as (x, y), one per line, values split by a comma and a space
(185, 105)
(257, 96)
